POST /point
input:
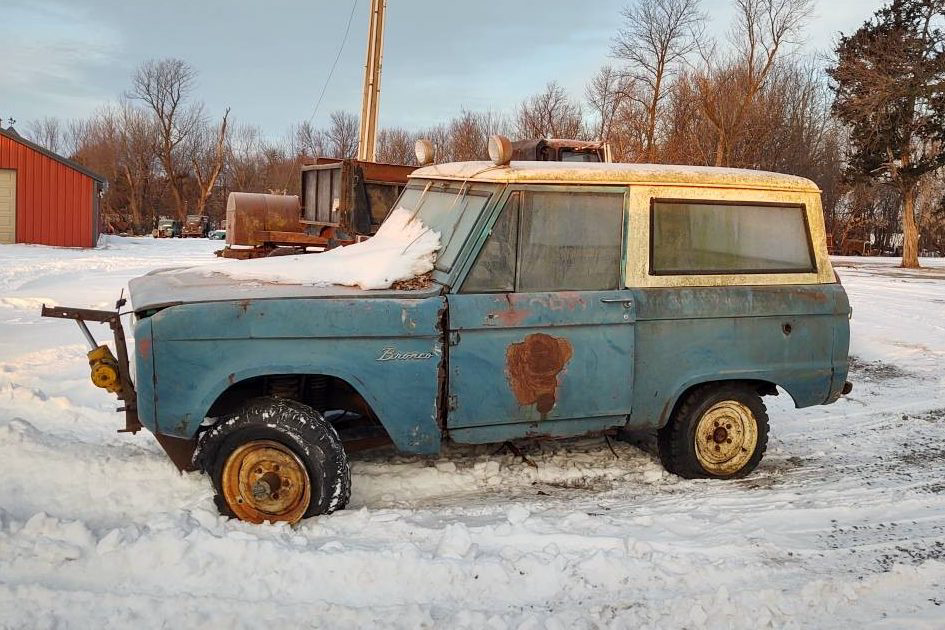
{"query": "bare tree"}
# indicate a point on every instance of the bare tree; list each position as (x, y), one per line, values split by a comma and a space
(165, 86)
(50, 133)
(137, 136)
(656, 38)
(549, 114)
(727, 88)
(280, 168)
(439, 135)
(97, 147)
(606, 93)
(396, 146)
(207, 157)
(470, 131)
(308, 140)
(342, 134)
(244, 158)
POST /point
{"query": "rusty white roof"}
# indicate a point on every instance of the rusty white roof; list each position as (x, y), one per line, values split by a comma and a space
(602, 173)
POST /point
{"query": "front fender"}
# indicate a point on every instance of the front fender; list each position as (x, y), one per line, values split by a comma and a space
(389, 350)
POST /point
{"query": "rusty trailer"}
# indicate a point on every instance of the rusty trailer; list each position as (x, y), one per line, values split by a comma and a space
(343, 201)
(347, 198)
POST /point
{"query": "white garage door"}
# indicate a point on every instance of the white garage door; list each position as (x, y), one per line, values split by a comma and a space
(7, 206)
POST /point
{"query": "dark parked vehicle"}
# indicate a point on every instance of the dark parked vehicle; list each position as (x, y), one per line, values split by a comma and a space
(195, 226)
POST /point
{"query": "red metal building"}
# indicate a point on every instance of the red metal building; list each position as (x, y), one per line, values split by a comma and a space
(44, 197)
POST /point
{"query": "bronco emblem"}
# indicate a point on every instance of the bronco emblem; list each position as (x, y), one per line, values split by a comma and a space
(391, 354)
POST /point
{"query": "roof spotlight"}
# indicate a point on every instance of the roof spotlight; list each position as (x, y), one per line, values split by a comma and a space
(423, 149)
(500, 150)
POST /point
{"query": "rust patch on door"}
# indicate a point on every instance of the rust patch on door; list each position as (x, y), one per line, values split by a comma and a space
(510, 317)
(532, 367)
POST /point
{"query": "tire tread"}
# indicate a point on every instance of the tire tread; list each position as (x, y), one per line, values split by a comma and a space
(674, 441)
(299, 427)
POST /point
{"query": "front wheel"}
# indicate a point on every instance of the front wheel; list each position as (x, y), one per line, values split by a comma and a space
(275, 460)
(718, 431)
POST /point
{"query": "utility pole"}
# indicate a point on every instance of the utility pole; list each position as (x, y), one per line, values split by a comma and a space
(367, 142)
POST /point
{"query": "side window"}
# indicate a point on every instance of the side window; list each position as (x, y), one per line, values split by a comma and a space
(570, 241)
(494, 269)
(713, 238)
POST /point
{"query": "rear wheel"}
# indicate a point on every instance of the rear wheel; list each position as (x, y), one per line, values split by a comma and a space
(275, 460)
(718, 431)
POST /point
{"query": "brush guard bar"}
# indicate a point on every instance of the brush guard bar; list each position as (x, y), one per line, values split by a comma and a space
(180, 450)
(126, 391)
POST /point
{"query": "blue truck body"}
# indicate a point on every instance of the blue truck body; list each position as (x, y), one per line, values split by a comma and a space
(437, 363)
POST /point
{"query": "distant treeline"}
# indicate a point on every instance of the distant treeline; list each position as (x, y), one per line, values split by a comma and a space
(669, 94)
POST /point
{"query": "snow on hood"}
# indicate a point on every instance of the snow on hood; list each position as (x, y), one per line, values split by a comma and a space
(403, 248)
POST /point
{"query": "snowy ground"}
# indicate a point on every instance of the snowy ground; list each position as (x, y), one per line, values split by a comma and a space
(842, 525)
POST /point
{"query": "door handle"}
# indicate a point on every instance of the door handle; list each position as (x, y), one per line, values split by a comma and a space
(627, 302)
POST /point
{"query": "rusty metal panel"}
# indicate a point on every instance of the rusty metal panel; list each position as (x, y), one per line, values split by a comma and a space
(336, 193)
(323, 195)
(533, 358)
(249, 213)
(324, 191)
(309, 188)
(340, 193)
(385, 173)
(290, 238)
(549, 149)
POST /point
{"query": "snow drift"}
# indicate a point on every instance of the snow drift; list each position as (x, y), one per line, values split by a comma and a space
(842, 526)
(403, 248)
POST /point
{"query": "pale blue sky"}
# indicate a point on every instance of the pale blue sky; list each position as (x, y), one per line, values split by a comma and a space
(268, 60)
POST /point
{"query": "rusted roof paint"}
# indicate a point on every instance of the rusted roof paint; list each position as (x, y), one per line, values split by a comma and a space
(606, 173)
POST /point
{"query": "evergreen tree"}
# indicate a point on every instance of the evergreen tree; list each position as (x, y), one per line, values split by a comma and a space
(889, 87)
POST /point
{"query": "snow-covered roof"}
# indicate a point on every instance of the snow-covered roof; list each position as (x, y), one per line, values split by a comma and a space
(612, 173)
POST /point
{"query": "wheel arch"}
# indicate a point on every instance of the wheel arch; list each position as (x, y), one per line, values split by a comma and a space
(762, 387)
(342, 392)
(241, 377)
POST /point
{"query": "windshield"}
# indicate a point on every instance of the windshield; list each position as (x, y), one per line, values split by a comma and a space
(449, 208)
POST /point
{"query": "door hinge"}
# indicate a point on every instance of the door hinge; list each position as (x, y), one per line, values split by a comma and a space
(451, 403)
(454, 338)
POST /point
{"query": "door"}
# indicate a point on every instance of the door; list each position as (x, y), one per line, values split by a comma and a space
(7, 206)
(540, 330)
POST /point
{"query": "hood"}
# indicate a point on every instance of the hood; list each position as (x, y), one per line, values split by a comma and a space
(191, 285)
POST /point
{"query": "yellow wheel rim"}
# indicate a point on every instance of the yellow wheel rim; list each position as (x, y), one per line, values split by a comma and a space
(264, 480)
(726, 437)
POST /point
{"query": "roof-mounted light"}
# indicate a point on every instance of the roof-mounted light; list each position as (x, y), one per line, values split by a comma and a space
(423, 149)
(500, 150)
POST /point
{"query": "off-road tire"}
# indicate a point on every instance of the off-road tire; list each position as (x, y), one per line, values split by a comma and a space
(300, 428)
(677, 440)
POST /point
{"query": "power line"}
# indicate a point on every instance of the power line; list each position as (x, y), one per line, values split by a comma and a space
(354, 5)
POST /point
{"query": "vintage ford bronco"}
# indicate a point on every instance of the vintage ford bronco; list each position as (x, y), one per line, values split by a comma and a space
(566, 299)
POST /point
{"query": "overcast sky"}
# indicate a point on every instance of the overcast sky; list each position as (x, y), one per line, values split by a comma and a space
(268, 60)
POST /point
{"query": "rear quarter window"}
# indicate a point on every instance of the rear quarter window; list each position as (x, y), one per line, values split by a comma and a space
(699, 237)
